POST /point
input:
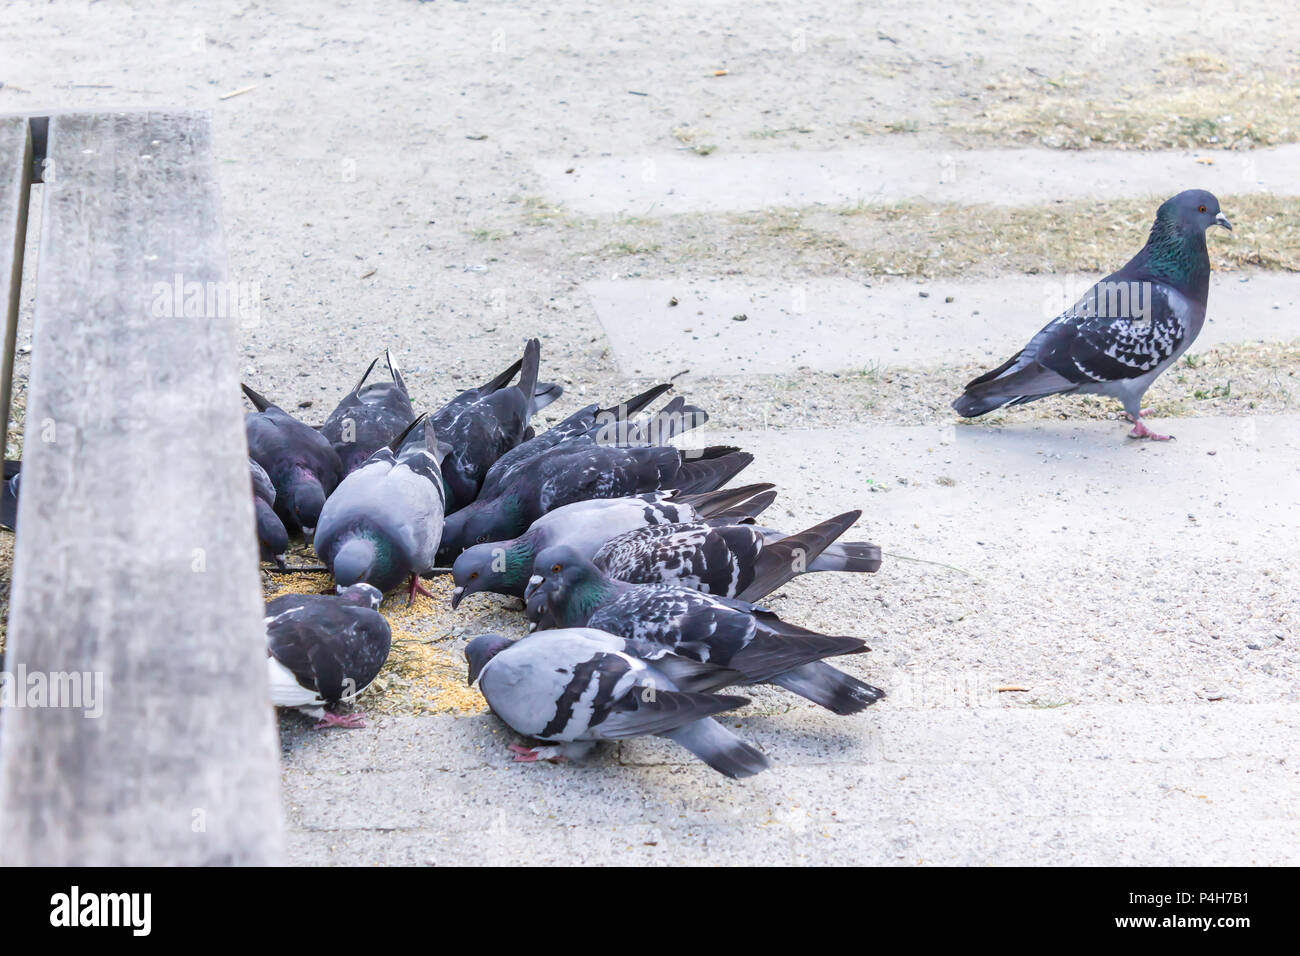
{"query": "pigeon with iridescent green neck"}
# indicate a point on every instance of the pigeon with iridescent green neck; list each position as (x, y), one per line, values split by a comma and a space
(383, 524)
(1128, 328)
(566, 590)
(504, 567)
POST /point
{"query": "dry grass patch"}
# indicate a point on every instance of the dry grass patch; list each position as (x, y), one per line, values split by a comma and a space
(1196, 102)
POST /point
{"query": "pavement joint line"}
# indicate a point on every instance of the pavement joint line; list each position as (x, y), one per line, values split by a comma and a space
(673, 183)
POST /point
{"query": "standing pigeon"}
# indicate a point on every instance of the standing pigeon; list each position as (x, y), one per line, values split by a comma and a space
(272, 539)
(567, 591)
(587, 471)
(384, 522)
(579, 686)
(325, 648)
(481, 429)
(369, 417)
(302, 465)
(741, 561)
(504, 567)
(1125, 331)
(580, 423)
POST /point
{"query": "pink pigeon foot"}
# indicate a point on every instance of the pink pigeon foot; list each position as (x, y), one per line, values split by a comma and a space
(533, 754)
(352, 721)
(416, 588)
(523, 754)
(1142, 413)
(1141, 431)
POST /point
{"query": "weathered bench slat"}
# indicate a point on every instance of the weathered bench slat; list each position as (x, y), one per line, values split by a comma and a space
(15, 187)
(137, 558)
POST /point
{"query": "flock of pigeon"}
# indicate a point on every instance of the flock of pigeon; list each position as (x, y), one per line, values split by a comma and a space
(639, 568)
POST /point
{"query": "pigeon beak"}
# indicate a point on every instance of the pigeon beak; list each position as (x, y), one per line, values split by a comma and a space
(532, 626)
(533, 583)
(1222, 220)
(456, 595)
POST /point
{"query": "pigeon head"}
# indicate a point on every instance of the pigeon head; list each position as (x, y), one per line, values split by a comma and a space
(307, 498)
(502, 567)
(1193, 211)
(478, 523)
(481, 650)
(357, 560)
(362, 595)
(576, 588)
(1175, 252)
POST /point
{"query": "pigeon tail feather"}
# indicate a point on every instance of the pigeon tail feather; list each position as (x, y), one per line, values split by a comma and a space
(543, 395)
(356, 389)
(260, 403)
(861, 556)
(829, 687)
(710, 472)
(720, 748)
(792, 555)
(529, 367)
(502, 380)
(396, 373)
(1010, 386)
(714, 503)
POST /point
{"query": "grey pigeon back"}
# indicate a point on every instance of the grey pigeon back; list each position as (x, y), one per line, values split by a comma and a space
(574, 688)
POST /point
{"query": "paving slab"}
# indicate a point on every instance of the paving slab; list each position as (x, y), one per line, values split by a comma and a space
(668, 183)
(1013, 786)
(843, 325)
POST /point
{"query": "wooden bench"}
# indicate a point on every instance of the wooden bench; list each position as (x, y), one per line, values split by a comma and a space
(136, 560)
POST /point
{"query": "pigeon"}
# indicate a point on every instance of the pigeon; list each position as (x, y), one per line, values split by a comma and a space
(588, 423)
(504, 567)
(740, 561)
(568, 591)
(1125, 331)
(587, 471)
(325, 648)
(369, 417)
(481, 425)
(9, 495)
(300, 461)
(384, 522)
(576, 687)
(271, 536)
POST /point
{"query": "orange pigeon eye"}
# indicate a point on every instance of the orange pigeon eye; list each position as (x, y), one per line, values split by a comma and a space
(556, 569)
(1201, 209)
